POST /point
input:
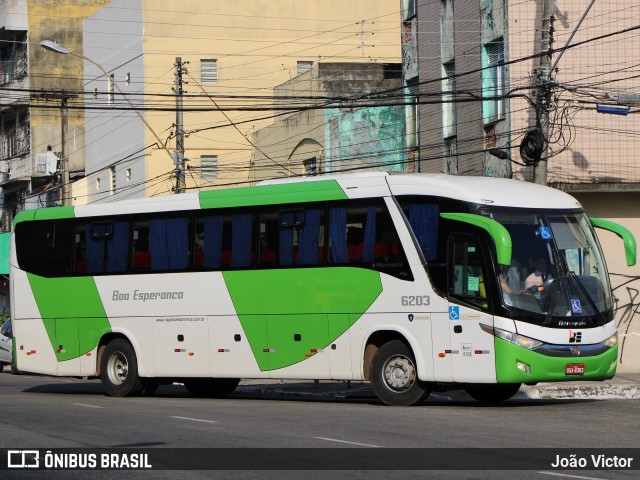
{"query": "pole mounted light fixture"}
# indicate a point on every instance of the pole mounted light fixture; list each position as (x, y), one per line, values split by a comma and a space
(61, 49)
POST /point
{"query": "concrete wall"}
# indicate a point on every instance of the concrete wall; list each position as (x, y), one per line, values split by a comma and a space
(620, 208)
(341, 139)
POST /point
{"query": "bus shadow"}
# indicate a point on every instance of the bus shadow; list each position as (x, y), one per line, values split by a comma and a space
(449, 399)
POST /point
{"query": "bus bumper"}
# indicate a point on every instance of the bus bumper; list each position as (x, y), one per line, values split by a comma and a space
(515, 364)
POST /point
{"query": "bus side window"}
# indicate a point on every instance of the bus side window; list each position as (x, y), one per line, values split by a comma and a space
(161, 244)
(45, 247)
(363, 234)
(102, 246)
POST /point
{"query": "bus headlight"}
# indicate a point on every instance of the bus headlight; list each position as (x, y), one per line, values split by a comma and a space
(511, 337)
(612, 341)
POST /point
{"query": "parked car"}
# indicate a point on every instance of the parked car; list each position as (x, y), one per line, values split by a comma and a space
(5, 344)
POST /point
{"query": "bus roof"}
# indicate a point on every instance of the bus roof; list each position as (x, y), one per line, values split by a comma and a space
(479, 190)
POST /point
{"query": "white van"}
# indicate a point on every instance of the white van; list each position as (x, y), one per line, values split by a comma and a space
(5, 344)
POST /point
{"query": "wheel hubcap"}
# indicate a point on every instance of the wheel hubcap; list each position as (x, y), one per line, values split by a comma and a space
(117, 368)
(399, 373)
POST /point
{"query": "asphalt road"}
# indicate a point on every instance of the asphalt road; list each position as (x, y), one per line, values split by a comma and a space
(55, 413)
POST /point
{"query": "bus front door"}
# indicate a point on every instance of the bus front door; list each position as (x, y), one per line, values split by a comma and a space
(472, 353)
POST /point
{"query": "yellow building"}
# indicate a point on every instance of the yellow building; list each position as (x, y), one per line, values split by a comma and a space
(231, 55)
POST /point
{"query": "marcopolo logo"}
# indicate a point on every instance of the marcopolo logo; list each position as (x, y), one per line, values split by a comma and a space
(138, 296)
(23, 459)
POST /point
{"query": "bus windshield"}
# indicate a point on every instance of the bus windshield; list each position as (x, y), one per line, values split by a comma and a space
(557, 275)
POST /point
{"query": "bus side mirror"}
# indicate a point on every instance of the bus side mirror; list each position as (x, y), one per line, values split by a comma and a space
(627, 237)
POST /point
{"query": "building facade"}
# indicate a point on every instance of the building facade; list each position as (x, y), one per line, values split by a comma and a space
(215, 62)
(477, 72)
(336, 135)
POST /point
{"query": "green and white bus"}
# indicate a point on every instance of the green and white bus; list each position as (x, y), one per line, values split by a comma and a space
(413, 282)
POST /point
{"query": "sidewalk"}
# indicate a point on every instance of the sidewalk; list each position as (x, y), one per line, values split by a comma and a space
(624, 386)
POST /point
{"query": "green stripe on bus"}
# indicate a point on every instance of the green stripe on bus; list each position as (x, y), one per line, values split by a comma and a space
(272, 194)
(52, 213)
(289, 314)
(72, 312)
(549, 369)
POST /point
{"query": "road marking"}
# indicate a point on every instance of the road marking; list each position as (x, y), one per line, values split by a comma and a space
(570, 476)
(195, 419)
(85, 405)
(344, 441)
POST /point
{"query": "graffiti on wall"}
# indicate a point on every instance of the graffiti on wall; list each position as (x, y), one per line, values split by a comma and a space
(627, 307)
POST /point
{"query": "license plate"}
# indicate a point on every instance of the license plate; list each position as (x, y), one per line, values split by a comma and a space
(574, 369)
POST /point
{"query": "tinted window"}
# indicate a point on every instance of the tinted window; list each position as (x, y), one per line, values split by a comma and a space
(45, 247)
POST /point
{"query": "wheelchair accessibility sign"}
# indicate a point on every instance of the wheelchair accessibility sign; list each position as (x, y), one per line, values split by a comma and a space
(454, 313)
(575, 306)
(545, 233)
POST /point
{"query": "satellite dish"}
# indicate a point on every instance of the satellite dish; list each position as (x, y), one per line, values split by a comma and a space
(532, 147)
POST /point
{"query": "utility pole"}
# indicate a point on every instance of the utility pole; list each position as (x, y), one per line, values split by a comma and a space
(179, 152)
(543, 102)
(543, 96)
(63, 181)
(64, 168)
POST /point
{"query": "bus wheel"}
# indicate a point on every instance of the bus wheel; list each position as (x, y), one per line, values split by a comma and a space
(394, 377)
(211, 387)
(119, 370)
(493, 393)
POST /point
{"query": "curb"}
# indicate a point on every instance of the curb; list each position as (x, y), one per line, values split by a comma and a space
(362, 390)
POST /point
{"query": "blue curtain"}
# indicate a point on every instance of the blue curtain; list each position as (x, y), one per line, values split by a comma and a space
(169, 244)
(424, 222)
(118, 248)
(95, 246)
(178, 243)
(241, 239)
(338, 235)
(158, 245)
(369, 235)
(286, 239)
(212, 241)
(308, 238)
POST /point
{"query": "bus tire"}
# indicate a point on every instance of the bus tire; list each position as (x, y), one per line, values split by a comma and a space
(211, 387)
(119, 369)
(394, 376)
(493, 393)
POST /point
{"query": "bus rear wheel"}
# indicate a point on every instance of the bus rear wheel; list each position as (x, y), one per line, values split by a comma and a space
(493, 393)
(394, 377)
(211, 387)
(119, 370)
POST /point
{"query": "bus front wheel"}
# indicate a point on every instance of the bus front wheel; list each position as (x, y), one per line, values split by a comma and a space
(119, 370)
(493, 393)
(394, 377)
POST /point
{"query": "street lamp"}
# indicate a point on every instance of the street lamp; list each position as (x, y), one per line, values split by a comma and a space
(61, 49)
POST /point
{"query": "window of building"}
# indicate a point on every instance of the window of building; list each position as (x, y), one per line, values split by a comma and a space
(111, 88)
(209, 167)
(112, 182)
(304, 66)
(310, 166)
(128, 174)
(493, 81)
(98, 184)
(451, 155)
(209, 71)
(449, 120)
